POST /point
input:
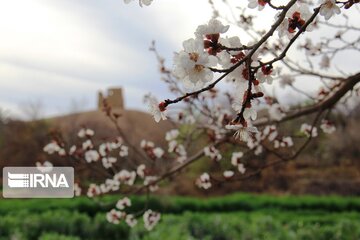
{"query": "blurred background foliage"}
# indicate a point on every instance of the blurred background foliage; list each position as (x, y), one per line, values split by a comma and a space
(328, 166)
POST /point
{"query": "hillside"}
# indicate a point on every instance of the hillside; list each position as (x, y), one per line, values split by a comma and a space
(136, 125)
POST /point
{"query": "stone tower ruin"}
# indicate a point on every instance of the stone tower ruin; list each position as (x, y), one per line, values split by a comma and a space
(114, 97)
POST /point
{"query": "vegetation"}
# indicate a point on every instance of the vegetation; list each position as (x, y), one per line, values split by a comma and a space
(177, 204)
(238, 216)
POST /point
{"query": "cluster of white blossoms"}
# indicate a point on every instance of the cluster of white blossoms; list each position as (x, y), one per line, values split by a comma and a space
(115, 216)
(85, 132)
(327, 126)
(92, 156)
(270, 134)
(108, 162)
(295, 19)
(151, 151)
(308, 130)
(236, 161)
(54, 147)
(175, 147)
(150, 181)
(126, 177)
(192, 64)
(283, 142)
(277, 111)
(213, 153)
(203, 181)
(194, 67)
(151, 218)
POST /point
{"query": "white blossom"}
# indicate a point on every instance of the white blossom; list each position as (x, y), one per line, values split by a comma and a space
(92, 156)
(276, 112)
(191, 65)
(51, 148)
(158, 152)
(213, 153)
(141, 170)
(85, 132)
(114, 216)
(298, 12)
(236, 76)
(284, 142)
(328, 8)
(151, 218)
(171, 135)
(104, 149)
(259, 4)
(241, 168)
(250, 113)
(72, 149)
(265, 75)
(228, 174)
(126, 177)
(130, 220)
(124, 151)
(231, 42)
(155, 110)
(241, 132)
(44, 167)
(306, 129)
(214, 26)
(87, 145)
(93, 190)
(204, 181)
(112, 184)
(235, 158)
(146, 144)
(123, 203)
(150, 181)
(258, 150)
(108, 161)
(327, 127)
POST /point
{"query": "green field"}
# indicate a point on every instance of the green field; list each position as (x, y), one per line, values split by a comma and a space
(239, 216)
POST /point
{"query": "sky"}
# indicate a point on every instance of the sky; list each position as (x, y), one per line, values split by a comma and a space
(56, 55)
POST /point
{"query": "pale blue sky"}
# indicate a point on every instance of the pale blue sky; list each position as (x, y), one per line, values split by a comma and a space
(60, 51)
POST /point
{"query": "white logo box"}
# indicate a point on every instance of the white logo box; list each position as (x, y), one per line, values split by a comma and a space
(30, 182)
